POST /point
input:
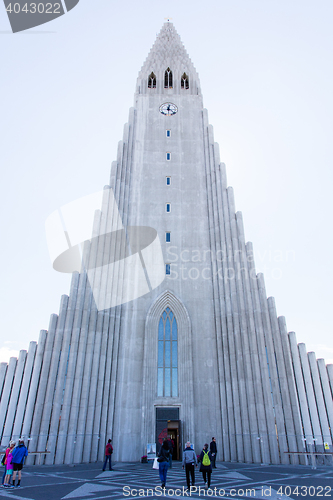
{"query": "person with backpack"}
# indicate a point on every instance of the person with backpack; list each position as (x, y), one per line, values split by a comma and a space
(108, 453)
(189, 459)
(206, 467)
(19, 454)
(163, 461)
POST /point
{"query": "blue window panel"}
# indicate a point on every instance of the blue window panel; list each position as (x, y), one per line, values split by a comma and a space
(167, 237)
(168, 133)
(160, 382)
(174, 330)
(168, 181)
(164, 315)
(167, 269)
(167, 382)
(171, 316)
(174, 382)
(174, 355)
(160, 329)
(167, 330)
(168, 156)
(167, 356)
(168, 309)
(168, 207)
(160, 353)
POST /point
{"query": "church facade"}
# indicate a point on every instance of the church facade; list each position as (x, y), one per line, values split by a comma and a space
(201, 354)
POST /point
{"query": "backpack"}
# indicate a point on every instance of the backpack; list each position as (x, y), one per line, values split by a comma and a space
(205, 460)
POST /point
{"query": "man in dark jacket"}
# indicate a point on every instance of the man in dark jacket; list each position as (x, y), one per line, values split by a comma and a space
(213, 451)
(19, 453)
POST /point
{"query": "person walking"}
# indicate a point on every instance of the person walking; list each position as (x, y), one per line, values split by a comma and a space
(8, 450)
(205, 460)
(213, 450)
(163, 461)
(108, 453)
(189, 459)
(19, 454)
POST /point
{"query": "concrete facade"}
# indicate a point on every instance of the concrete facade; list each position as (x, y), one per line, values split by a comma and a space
(240, 375)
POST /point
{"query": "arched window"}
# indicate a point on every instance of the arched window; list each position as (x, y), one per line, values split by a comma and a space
(168, 79)
(167, 379)
(184, 81)
(152, 81)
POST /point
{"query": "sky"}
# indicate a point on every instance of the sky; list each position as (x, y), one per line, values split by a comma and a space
(266, 75)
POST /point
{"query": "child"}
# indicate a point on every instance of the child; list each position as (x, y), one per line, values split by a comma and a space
(9, 469)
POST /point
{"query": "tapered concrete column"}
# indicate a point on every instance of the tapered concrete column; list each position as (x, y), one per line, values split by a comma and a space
(285, 396)
(300, 386)
(63, 436)
(295, 441)
(62, 370)
(259, 340)
(326, 392)
(325, 430)
(21, 405)
(34, 387)
(271, 360)
(39, 404)
(3, 370)
(53, 372)
(93, 389)
(6, 394)
(234, 405)
(214, 184)
(15, 394)
(330, 375)
(249, 341)
(310, 397)
(247, 330)
(94, 331)
(96, 399)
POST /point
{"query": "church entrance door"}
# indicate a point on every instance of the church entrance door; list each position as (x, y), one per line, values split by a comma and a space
(168, 424)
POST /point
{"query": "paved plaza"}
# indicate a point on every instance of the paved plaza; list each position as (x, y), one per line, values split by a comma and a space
(132, 480)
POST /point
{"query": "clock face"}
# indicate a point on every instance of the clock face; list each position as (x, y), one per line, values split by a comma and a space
(168, 109)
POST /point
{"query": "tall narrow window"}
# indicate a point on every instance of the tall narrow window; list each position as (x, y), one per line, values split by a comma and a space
(152, 81)
(168, 133)
(167, 380)
(167, 269)
(168, 207)
(168, 79)
(184, 81)
(168, 156)
(168, 237)
(168, 181)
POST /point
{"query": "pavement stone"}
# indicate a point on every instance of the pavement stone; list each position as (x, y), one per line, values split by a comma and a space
(135, 480)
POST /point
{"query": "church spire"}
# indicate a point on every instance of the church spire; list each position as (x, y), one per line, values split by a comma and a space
(168, 66)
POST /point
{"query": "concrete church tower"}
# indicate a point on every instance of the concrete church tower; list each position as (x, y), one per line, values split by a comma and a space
(202, 353)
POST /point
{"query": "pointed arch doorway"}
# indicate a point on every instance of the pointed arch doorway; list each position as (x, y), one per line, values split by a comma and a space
(168, 406)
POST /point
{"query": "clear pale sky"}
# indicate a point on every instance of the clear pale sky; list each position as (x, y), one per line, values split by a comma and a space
(266, 75)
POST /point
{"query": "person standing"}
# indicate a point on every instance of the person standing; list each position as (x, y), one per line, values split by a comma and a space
(205, 460)
(108, 453)
(213, 451)
(8, 450)
(9, 470)
(163, 461)
(189, 459)
(19, 454)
